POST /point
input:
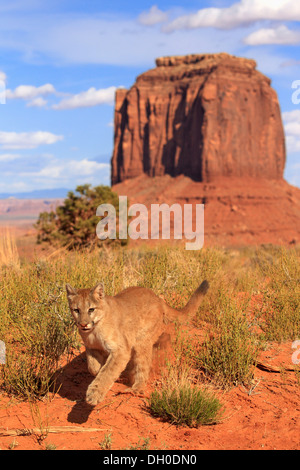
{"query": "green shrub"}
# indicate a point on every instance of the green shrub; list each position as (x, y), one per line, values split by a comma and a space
(73, 224)
(178, 400)
(185, 405)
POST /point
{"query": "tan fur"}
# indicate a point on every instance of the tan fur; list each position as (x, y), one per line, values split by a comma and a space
(120, 331)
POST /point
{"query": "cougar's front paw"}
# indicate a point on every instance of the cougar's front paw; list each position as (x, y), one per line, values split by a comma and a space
(94, 395)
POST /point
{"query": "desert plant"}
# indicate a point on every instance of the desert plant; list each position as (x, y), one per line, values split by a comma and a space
(279, 312)
(73, 224)
(36, 336)
(182, 403)
(142, 444)
(9, 256)
(185, 406)
(229, 353)
(178, 399)
(106, 442)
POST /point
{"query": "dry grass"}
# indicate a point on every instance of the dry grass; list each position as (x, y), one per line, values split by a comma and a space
(9, 256)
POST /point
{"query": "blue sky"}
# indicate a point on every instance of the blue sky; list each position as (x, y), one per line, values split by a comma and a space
(61, 61)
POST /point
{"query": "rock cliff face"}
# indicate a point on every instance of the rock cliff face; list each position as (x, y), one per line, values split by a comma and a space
(203, 116)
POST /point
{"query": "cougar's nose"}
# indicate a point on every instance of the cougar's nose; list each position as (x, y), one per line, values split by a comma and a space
(83, 324)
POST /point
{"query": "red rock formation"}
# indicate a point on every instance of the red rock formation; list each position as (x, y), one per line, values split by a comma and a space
(203, 116)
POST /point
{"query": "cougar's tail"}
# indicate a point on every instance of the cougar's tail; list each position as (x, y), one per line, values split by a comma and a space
(171, 314)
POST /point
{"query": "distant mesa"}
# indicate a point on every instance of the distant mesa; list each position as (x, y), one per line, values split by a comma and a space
(204, 116)
(46, 194)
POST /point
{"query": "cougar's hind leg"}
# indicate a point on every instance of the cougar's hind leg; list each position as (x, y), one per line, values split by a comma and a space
(142, 358)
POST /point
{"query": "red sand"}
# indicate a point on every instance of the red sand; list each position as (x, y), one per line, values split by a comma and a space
(265, 417)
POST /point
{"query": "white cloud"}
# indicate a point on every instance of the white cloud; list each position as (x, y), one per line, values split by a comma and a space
(291, 120)
(29, 92)
(58, 173)
(9, 157)
(38, 102)
(61, 170)
(152, 17)
(292, 128)
(290, 116)
(242, 13)
(3, 76)
(27, 140)
(85, 99)
(292, 144)
(13, 186)
(278, 35)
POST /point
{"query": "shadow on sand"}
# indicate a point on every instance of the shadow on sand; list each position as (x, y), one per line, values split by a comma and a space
(71, 383)
(74, 378)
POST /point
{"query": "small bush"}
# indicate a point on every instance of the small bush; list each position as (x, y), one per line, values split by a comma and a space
(180, 402)
(185, 405)
(73, 224)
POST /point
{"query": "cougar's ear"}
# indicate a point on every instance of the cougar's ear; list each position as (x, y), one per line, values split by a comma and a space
(98, 291)
(70, 290)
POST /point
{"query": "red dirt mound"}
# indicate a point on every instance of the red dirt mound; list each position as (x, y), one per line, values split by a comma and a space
(238, 211)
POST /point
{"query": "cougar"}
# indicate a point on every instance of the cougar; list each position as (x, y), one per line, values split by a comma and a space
(119, 332)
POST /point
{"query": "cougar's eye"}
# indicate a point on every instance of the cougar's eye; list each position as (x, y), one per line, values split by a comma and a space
(91, 310)
(76, 310)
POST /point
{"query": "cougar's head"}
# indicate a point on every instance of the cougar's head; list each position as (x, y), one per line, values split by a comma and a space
(86, 306)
